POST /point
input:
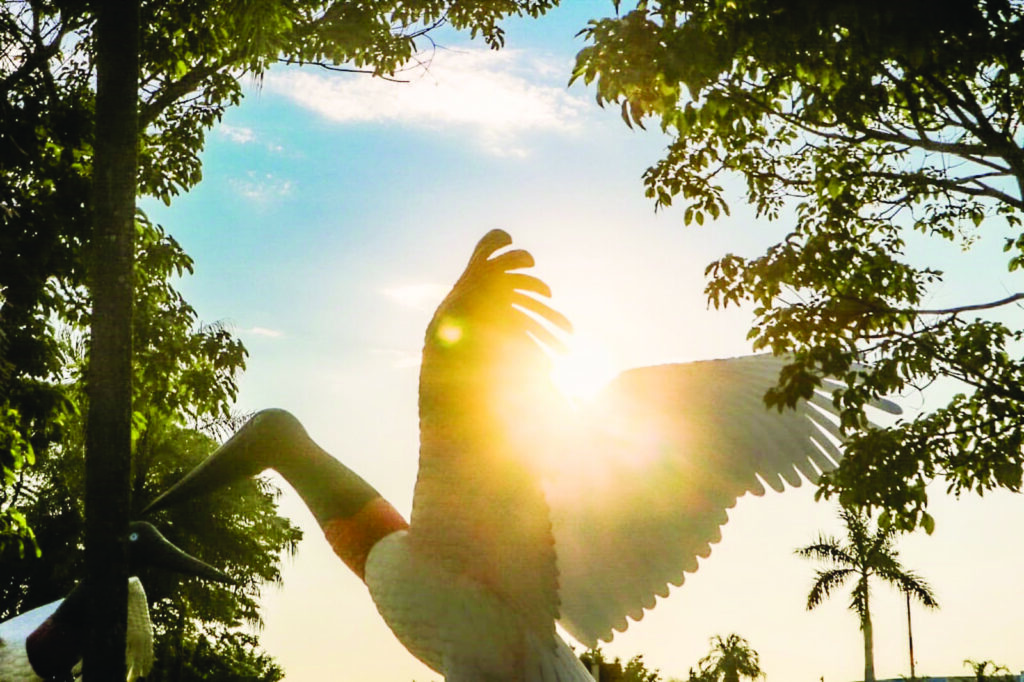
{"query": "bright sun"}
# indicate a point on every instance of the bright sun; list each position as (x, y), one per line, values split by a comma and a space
(582, 371)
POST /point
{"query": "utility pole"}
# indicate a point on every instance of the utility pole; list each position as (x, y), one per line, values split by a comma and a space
(108, 379)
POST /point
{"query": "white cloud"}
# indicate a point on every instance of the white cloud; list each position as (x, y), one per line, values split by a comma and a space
(261, 186)
(423, 297)
(263, 331)
(245, 135)
(497, 96)
(239, 134)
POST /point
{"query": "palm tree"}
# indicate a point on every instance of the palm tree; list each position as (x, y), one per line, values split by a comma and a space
(866, 554)
(730, 659)
(979, 668)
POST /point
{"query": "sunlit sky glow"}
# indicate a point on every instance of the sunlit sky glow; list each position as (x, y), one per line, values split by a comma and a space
(335, 212)
(583, 369)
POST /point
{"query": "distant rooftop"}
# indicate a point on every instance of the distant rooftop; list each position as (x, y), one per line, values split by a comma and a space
(961, 678)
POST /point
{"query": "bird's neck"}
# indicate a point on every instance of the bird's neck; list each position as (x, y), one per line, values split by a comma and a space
(351, 513)
(352, 538)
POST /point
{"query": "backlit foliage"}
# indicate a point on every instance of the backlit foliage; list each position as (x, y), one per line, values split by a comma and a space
(868, 129)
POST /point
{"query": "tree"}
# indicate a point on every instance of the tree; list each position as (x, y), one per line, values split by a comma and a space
(633, 670)
(858, 125)
(184, 380)
(75, 159)
(979, 668)
(866, 554)
(16, 451)
(730, 659)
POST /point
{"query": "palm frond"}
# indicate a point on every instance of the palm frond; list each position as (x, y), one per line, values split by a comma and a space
(918, 588)
(827, 548)
(824, 582)
(859, 599)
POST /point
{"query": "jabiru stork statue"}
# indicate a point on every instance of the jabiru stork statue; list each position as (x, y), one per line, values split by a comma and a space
(46, 643)
(527, 510)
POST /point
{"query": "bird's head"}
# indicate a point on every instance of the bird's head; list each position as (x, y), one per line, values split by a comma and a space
(148, 547)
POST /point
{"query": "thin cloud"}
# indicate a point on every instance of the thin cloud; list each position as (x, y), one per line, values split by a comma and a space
(423, 296)
(500, 97)
(239, 134)
(264, 331)
(261, 186)
(245, 135)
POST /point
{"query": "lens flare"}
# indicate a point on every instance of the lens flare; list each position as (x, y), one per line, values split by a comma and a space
(449, 332)
(583, 371)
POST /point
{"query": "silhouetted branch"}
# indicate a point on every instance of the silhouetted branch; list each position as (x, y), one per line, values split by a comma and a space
(977, 306)
(341, 69)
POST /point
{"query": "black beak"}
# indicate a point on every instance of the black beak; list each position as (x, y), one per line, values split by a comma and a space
(255, 447)
(147, 546)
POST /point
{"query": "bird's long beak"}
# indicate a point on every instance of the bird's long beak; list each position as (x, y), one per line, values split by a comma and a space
(150, 547)
(245, 454)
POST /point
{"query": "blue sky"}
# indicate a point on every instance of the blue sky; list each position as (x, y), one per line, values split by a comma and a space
(336, 210)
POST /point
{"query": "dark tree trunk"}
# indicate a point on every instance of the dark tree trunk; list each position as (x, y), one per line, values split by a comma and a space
(109, 386)
(869, 638)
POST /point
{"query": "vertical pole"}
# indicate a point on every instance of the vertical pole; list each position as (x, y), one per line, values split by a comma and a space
(109, 388)
(910, 640)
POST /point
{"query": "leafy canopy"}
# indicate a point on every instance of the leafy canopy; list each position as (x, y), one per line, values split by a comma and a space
(633, 670)
(731, 658)
(867, 128)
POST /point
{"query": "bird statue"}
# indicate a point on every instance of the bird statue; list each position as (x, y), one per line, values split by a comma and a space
(529, 510)
(46, 643)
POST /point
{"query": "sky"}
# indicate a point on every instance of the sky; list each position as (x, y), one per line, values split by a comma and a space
(335, 212)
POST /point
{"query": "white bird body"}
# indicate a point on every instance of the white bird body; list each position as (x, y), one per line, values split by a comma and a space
(453, 623)
(14, 633)
(511, 529)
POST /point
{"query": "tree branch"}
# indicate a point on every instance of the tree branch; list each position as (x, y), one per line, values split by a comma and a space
(149, 111)
(936, 311)
(35, 59)
(976, 153)
(339, 69)
(977, 306)
(982, 190)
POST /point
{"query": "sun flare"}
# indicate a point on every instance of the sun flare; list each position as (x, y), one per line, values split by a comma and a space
(582, 371)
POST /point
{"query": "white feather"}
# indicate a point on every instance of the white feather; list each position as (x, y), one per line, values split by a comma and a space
(139, 643)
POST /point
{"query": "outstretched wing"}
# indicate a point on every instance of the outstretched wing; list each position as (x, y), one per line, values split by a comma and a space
(17, 629)
(477, 506)
(672, 448)
(585, 516)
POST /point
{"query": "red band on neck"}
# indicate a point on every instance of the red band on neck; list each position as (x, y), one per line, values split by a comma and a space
(352, 538)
